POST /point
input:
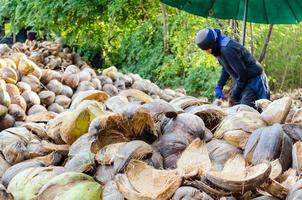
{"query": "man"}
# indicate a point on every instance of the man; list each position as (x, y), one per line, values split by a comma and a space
(250, 81)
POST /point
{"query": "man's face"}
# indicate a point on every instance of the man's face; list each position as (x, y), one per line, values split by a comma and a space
(209, 51)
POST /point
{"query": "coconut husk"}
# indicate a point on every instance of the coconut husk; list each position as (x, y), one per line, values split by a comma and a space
(116, 102)
(144, 182)
(187, 192)
(297, 156)
(38, 129)
(239, 108)
(277, 111)
(194, 160)
(243, 178)
(294, 131)
(4, 194)
(12, 90)
(111, 192)
(82, 162)
(19, 100)
(104, 174)
(262, 103)
(15, 152)
(16, 112)
(211, 115)
(40, 117)
(132, 150)
(4, 165)
(15, 169)
(276, 169)
(22, 187)
(133, 94)
(187, 101)
(243, 120)
(3, 111)
(220, 151)
(106, 155)
(89, 95)
(269, 143)
(8, 74)
(71, 185)
(110, 89)
(5, 99)
(36, 109)
(156, 160)
(295, 191)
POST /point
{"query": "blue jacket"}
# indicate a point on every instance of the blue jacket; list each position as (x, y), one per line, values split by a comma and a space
(238, 63)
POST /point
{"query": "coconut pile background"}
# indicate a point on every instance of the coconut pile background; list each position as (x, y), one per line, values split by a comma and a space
(69, 132)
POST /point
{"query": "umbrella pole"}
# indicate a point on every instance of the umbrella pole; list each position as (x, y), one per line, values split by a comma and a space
(246, 2)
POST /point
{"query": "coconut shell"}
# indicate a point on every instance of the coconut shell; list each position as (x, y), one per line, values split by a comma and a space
(36, 109)
(19, 100)
(186, 101)
(55, 86)
(82, 162)
(16, 112)
(132, 150)
(31, 98)
(96, 83)
(23, 87)
(47, 97)
(12, 90)
(4, 98)
(269, 143)
(144, 182)
(6, 122)
(33, 82)
(72, 69)
(110, 89)
(56, 108)
(104, 174)
(141, 85)
(71, 185)
(48, 75)
(220, 151)
(243, 179)
(116, 102)
(277, 111)
(105, 80)
(84, 76)
(111, 192)
(67, 91)
(120, 84)
(296, 155)
(63, 101)
(85, 86)
(106, 155)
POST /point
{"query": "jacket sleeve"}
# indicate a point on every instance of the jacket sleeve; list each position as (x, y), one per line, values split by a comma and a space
(224, 77)
(235, 62)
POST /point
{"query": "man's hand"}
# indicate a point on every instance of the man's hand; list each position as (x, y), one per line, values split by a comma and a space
(232, 101)
(219, 92)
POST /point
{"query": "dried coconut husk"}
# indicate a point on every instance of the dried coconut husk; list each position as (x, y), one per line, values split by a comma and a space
(8, 74)
(111, 72)
(16, 112)
(33, 82)
(15, 152)
(132, 150)
(105, 80)
(160, 107)
(19, 100)
(4, 165)
(239, 108)
(111, 192)
(5, 99)
(36, 109)
(133, 94)
(6, 122)
(269, 143)
(236, 128)
(106, 155)
(187, 101)
(297, 156)
(262, 103)
(63, 101)
(47, 97)
(294, 131)
(104, 174)
(187, 192)
(48, 75)
(85, 86)
(297, 117)
(96, 83)
(4, 194)
(243, 178)
(115, 127)
(194, 161)
(84, 76)
(71, 80)
(3, 111)
(38, 129)
(81, 162)
(56, 108)
(141, 85)
(23, 87)
(295, 192)
(36, 148)
(96, 95)
(144, 182)
(55, 86)
(67, 91)
(82, 144)
(31, 98)
(116, 102)
(41, 117)
(12, 90)
(211, 115)
(277, 111)
(110, 89)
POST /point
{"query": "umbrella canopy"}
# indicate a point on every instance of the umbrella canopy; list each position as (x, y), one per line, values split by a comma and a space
(258, 11)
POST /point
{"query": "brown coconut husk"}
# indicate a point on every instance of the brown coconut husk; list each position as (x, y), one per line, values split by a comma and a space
(106, 155)
(133, 94)
(297, 156)
(144, 182)
(184, 102)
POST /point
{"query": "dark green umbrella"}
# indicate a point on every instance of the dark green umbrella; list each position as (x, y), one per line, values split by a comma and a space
(258, 11)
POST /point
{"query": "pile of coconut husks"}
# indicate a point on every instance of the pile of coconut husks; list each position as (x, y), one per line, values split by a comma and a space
(69, 132)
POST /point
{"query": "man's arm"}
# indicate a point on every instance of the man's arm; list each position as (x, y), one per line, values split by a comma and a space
(239, 68)
(224, 77)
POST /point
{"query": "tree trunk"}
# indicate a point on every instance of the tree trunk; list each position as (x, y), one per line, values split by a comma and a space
(268, 37)
(235, 29)
(165, 27)
(252, 38)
